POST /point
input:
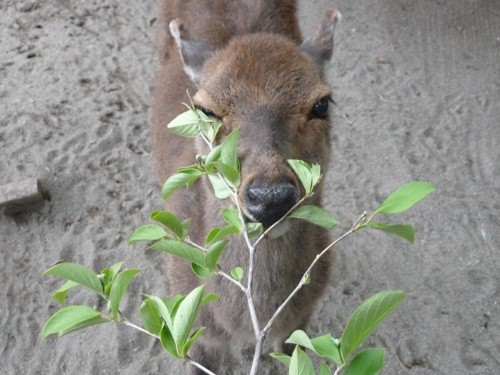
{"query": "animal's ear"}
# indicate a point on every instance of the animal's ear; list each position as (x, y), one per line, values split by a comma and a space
(320, 44)
(193, 52)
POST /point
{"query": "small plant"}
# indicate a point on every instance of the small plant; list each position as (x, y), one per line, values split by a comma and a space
(367, 317)
(172, 321)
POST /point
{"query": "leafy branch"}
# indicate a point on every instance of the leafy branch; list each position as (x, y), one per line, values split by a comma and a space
(172, 320)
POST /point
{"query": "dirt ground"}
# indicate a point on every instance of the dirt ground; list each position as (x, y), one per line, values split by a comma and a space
(417, 92)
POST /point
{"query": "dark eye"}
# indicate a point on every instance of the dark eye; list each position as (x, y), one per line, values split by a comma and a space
(207, 112)
(320, 109)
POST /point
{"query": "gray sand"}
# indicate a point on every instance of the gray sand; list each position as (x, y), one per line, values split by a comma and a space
(417, 92)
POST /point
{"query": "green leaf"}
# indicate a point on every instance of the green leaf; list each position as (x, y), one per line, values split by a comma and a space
(173, 303)
(181, 250)
(217, 234)
(221, 190)
(405, 197)
(231, 175)
(183, 178)
(210, 129)
(237, 273)
(300, 363)
(210, 297)
(85, 324)
(205, 125)
(229, 152)
(401, 230)
(67, 318)
(170, 220)
(192, 339)
(200, 271)
(315, 174)
(217, 126)
(324, 369)
(213, 254)
(212, 157)
(283, 358)
(148, 232)
(308, 175)
(367, 362)
(109, 275)
(186, 316)
(208, 126)
(202, 116)
(325, 347)
(168, 342)
(118, 288)
(303, 172)
(185, 125)
(232, 217)
(299, 337)
(77, 273)
(367, 317)
(163, 311)
(254, 229)
(315, 215)
(60, 294)
(150, 317)
(185, 228)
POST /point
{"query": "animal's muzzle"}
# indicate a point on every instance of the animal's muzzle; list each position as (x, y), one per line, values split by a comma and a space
(268, 203)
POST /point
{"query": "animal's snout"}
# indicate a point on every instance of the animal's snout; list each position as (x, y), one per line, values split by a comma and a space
(267, 203)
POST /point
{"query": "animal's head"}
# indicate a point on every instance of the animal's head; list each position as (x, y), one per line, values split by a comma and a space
(273, 91)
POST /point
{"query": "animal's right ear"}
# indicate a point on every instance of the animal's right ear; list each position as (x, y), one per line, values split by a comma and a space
(193, 52)
(320, 44)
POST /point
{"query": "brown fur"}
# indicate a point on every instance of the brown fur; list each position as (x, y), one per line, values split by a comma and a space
(260, 81)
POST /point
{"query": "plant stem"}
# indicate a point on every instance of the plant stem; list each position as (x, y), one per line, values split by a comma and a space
(196, 364)
(262, 336)
(130, 324)
(301, 283)
(194, 244)
(251, 256)
(256, 354)
(236, 282)
(125, 321)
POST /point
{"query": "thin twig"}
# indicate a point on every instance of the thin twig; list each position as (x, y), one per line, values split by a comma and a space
(192, 243)
(236, 282)
(130, 324)
(302, 281)
(196, 364)
(251, 256)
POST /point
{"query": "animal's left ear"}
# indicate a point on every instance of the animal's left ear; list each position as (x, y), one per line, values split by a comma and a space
(320, 44)
(193, 52)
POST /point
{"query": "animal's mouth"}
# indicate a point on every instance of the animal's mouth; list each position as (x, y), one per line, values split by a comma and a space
(277, 229)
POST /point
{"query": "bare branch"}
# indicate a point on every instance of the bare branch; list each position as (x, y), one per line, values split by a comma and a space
(196, 364)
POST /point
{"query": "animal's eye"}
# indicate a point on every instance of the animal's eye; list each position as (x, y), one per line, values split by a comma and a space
(207, 112)
(320, 109)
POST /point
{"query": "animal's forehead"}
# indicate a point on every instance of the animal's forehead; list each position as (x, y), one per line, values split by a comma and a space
(262, 68)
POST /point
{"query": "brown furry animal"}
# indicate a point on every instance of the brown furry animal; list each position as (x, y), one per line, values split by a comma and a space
(245, 64)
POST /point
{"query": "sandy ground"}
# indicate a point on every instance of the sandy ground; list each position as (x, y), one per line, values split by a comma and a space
(417, 92)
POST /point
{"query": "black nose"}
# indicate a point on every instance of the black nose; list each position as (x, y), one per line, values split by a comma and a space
(268, 203)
